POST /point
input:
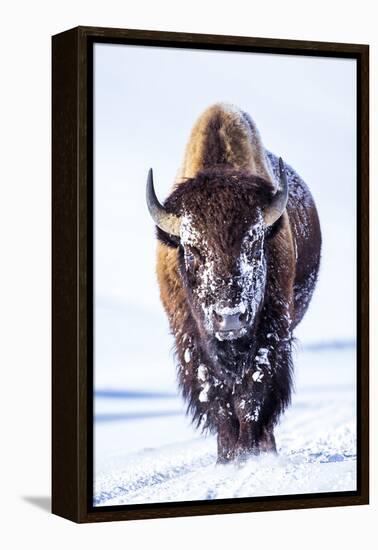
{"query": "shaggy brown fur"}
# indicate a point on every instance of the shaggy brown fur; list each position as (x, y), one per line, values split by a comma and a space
(222, 136)
(236, 388)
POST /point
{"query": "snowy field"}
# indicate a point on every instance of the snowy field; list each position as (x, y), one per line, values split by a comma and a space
(146, 451)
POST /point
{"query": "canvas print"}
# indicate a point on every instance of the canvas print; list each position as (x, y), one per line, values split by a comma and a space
(224, 275)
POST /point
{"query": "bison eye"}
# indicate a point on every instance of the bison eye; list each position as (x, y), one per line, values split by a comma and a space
(192, 258)
(256, 253)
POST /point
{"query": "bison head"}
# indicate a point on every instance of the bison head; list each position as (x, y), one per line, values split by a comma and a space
(220, 221)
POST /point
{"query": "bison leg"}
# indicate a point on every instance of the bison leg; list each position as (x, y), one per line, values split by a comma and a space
(228, 432)
(267, 442)
(248, 440)
(254, 439)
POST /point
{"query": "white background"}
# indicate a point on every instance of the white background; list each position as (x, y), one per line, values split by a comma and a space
(25, 274)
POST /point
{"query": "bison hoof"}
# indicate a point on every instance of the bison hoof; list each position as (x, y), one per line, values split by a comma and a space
(226, 458)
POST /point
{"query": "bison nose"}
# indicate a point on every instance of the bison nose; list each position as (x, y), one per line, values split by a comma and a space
(227, 322)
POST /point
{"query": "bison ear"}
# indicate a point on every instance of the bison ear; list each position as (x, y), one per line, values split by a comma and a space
(166, 221)
(278, 204)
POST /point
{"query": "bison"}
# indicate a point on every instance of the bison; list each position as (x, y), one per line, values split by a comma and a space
(237, 262)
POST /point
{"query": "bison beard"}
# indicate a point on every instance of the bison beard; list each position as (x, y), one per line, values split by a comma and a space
(237, 265)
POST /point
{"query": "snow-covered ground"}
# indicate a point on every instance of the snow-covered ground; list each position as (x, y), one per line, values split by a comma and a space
(146, 451)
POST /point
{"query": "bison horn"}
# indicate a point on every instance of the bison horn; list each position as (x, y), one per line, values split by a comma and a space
(163, 219)
(278, 204)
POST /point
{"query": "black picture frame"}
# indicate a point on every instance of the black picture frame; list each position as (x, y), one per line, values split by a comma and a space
(72, 272)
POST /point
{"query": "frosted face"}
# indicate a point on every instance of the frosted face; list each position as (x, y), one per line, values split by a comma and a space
(225, 287)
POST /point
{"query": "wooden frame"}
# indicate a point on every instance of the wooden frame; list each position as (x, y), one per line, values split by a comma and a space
(72, 273)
